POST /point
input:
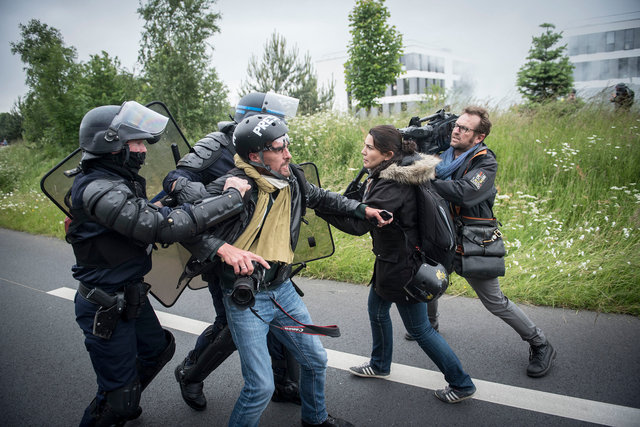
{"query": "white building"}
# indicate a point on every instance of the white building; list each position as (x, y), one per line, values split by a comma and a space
(423, 68)
(605, 52)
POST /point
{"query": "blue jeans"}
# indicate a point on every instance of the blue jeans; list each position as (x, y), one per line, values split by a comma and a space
(250, 336)
(416, 321)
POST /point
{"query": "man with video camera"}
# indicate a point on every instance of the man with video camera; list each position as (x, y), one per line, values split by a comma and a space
(261, 297)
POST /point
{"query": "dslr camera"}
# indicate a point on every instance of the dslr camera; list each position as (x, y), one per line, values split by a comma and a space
(244, 288)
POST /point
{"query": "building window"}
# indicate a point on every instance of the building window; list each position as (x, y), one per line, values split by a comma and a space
(628, 39)
(412, 61)
(422, 85)
(572, 43)
(610, 41)
(413, 85)
(404, 86)
(623, 67)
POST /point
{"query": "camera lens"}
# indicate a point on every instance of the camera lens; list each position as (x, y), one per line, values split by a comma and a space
(242, 294)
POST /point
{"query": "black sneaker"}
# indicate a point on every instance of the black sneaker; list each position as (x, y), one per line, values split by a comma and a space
(366, 370)
(330, 421)
(451, 395)
(540, 359)
(192, 393)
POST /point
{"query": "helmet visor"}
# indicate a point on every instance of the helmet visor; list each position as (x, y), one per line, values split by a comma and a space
(280, 105)
(135, 116)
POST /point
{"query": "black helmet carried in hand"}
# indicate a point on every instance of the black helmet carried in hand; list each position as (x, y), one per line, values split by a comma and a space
(255, 133)
(106, 129)
(271, 103)
(429, 283)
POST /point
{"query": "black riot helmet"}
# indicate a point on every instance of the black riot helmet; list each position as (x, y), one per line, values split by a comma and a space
(271, 103)
(622, 88)
(107, 129)
(429, 283)
(254, 134)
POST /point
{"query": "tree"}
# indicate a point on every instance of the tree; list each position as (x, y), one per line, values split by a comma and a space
(104, 82)
(547, 74)
(281, 71)
(374, 53)
(176, 61)
(52, 108)
(10, 125)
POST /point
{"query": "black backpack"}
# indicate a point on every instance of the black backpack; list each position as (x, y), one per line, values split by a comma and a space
(435, 226)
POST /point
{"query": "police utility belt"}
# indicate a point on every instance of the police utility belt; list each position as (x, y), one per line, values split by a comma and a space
(123, 305)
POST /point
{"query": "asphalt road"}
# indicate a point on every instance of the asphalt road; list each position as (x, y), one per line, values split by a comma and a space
(46, 377)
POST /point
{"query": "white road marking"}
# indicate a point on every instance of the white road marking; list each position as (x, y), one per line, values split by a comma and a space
(522, 398)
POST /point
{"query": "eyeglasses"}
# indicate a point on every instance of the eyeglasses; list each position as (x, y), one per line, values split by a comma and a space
(285, 144)
(463, 129)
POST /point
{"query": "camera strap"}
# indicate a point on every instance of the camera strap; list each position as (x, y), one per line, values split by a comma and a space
(329, 331)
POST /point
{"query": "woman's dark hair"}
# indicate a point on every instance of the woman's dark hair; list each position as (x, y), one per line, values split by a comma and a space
(387, 138)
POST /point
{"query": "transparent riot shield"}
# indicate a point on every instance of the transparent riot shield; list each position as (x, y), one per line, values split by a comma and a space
(168, 260)
(315, 241)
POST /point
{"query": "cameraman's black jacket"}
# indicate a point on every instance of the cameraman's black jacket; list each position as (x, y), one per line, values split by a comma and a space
(228, 231)
(471, 190)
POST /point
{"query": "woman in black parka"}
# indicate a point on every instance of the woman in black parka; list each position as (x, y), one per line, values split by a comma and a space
(394, 169)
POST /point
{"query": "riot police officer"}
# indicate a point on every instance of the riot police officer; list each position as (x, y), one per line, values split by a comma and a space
(622, 98)
(111, 233)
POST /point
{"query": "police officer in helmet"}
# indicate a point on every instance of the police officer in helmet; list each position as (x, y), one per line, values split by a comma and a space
(112, 230)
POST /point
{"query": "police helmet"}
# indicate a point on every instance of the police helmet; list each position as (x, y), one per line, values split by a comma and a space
(622, 88)
(429, 283)
(107, 128)
(271, 103)
(255, 133)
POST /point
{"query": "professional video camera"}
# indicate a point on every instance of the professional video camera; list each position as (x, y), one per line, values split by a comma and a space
(433, 137)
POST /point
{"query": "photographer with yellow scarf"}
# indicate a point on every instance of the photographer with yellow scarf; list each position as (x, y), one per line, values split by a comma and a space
(268, 228)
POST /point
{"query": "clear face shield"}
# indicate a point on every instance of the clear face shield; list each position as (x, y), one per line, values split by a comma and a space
(280, 105)
(135, 121)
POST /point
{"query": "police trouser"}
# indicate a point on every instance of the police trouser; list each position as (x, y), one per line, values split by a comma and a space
(133, 343)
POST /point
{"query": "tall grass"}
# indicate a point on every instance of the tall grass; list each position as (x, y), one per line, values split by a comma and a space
(569, 201)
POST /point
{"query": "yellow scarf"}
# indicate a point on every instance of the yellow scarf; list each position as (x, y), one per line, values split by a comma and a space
(274, 243)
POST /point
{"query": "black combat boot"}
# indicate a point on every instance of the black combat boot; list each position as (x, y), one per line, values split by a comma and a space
(540, 359)
(192, 393)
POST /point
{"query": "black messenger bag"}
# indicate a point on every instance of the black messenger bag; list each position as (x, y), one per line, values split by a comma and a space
(481, 248)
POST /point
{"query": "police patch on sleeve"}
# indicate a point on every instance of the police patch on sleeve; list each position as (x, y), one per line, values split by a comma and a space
(478, 179)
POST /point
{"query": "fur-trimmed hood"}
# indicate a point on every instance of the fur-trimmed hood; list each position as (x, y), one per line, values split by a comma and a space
(417, 172)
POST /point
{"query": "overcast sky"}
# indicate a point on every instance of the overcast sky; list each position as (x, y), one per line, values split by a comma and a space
(493, 34)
